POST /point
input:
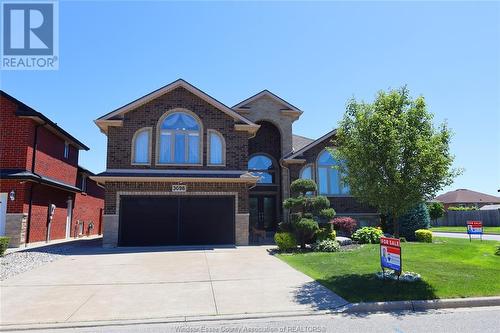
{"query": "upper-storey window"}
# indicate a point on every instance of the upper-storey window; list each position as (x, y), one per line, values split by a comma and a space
(66, 150)
(263, 167)
(306, 172)
(329, 178)
(180, 139)
(141, 146)
(216, 148)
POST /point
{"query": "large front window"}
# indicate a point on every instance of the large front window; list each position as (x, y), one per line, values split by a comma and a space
(179, 139)
(329, 178)
(262, 167)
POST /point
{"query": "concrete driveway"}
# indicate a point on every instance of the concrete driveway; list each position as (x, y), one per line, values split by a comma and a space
(110, 285)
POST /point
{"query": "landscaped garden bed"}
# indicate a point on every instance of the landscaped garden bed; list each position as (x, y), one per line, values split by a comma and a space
(448, 267)
(486, 230)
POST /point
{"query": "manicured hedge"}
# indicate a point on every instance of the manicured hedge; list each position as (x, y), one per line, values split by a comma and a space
(423, 235)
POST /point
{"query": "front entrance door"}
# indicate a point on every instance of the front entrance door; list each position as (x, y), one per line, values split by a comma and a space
(262, 215)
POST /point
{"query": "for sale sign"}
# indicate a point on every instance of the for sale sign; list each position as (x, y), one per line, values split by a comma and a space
(474, 227)
(390, 254)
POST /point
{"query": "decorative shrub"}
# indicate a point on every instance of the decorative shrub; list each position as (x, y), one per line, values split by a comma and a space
(497, 252)
(302, 186)
(414, 219)
(305, 230)
(325, 233)
(367, 235)
(346, 225)
(4, 244)
(327, 245)
(423, 235)
(285, 241)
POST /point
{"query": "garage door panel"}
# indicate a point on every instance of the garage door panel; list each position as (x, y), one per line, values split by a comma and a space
(148, 221)
(207, 220)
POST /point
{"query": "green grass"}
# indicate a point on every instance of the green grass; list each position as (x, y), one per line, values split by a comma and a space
(486, 230)
(449, 267)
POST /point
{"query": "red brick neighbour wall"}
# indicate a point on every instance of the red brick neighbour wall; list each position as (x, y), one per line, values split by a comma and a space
(50, 159)
(42, 197)
(21, 190)
(15, 136)
(89, 207)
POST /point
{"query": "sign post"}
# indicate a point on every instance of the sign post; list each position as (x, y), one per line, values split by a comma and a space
(475, 228)
(390, 255)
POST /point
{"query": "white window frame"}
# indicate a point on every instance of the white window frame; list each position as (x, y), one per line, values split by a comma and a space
(160, 132)
(134, 137)
(209, 143)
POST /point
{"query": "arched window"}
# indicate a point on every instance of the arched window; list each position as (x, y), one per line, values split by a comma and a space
(141, 146)
(306, 172)
(263, 167)
(179, 139)
(329, 178)
(216, 148)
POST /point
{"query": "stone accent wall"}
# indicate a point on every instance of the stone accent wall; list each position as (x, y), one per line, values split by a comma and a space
(15, 228)
(112, 188)
(110, 234)
(242, 229)
(147, 115)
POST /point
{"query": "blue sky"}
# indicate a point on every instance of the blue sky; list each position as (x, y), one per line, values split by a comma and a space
(314, 55)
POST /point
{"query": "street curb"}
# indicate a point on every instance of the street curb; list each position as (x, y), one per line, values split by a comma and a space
(422, 305)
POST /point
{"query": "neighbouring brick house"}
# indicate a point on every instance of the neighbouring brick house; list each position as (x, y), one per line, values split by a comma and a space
(183, 168)
(38, 169)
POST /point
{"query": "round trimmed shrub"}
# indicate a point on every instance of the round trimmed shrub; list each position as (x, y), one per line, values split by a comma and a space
(327, 245)
(285, 241)
(303, 186)
(304, 230)
(345, 225)
(367, 235)
(325, 233)
(423, 235)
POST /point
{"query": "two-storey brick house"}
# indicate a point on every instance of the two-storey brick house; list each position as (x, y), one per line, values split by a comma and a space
(183, 168)
(44, 195)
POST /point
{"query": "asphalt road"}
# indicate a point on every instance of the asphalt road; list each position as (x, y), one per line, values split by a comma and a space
(486, 319)
(460, 235)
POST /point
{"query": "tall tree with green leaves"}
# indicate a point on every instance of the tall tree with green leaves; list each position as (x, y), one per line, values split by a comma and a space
(393, 156)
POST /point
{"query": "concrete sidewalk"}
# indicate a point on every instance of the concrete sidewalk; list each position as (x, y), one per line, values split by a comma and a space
(464, 235)
(118, 284)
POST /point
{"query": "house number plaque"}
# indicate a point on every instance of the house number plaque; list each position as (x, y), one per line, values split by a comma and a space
(179, 188)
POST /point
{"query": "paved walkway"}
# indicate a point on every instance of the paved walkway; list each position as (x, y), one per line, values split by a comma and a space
(98, 284)
(464, 235)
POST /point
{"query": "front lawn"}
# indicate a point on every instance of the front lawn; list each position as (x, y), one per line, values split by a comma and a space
(449, 268)
(486, 230)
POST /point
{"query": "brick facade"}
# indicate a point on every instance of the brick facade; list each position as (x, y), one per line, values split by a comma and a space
(147, 115)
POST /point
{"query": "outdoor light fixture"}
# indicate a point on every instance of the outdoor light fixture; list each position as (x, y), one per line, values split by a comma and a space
(12, 195)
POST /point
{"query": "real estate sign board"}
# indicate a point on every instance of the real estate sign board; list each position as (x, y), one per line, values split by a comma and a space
(390, 254)
(475, 228)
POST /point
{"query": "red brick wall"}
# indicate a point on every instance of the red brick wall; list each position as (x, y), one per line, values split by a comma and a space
(21, 190)
(50, 159)
(42, 197)
(89, 207)
(15, 136)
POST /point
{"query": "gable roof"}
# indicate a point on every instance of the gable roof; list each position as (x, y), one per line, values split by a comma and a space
(466, 196)
(25, 111)
(290, 108)
(299, 142)
(103, 121)
(299, 152)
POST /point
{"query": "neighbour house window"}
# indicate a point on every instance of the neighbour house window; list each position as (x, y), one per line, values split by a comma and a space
(216, 148)
(329, 178)
(180, 139)
(66, 150)
(263, 167)
(141, 146)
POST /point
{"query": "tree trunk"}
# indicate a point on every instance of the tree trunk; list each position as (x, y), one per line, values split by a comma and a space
(395, 225)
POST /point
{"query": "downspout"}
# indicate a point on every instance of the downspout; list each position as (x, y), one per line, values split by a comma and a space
(286, 213)
(33, 159)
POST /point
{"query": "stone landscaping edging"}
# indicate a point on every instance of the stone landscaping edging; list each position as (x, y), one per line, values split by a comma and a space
(422, 305)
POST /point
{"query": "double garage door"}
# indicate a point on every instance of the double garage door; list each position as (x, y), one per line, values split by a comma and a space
(167, 220)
